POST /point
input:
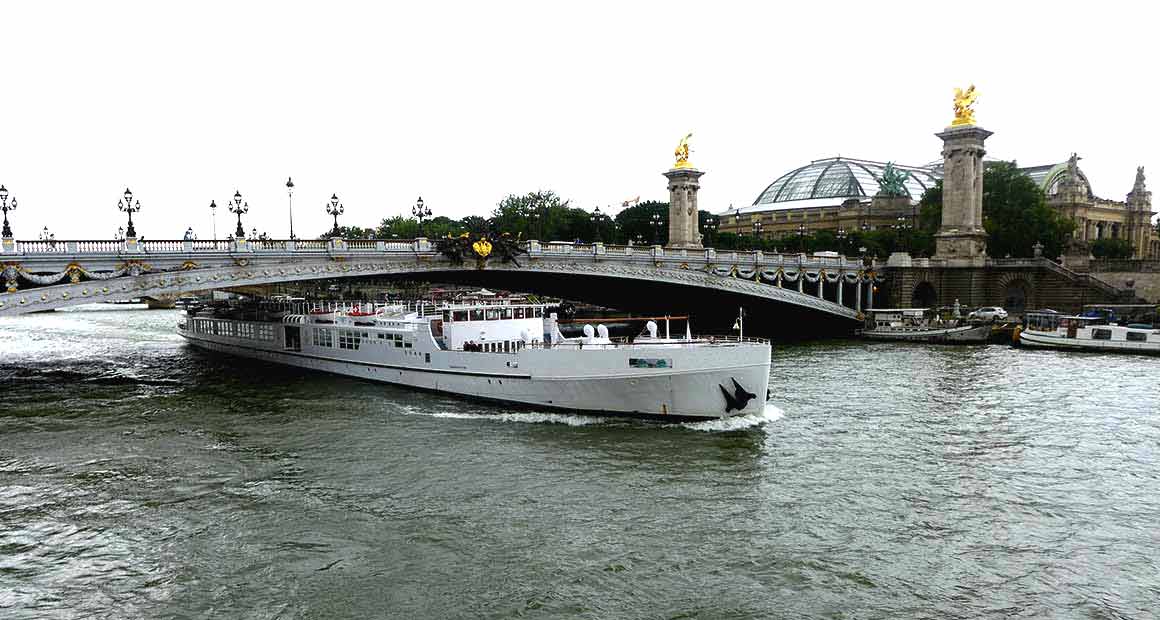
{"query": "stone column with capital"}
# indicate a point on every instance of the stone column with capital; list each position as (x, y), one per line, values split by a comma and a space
(961, 239)
(683, 225)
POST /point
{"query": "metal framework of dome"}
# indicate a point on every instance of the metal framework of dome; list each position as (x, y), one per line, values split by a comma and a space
(841, 178)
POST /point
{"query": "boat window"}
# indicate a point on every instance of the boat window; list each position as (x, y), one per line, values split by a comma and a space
(492, 314)
(507, 313)
(1137, 336)
(648, 362)
(427, 357)
(519, 313)
(459, 315)
(477, 315)
(1101, 334)
(539, 312)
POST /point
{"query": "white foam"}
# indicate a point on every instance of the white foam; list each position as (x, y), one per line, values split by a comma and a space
(769, 414)
(531, 417)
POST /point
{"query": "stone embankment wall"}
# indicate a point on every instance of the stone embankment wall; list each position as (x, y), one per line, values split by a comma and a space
(991, 286)
(1144, 273)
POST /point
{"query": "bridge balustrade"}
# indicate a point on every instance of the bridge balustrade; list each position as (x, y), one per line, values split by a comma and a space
(98, 246)
(155, 247)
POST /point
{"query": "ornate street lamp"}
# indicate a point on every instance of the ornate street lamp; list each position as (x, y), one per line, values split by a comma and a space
(758, 228)
(128, 206)
(656, 220)
(596, 221)
(902, 225)
(421, 212)
(842, 236)
(710, 227)
(290, 198)
(213, 211)
(335, 208)
(7, 232)
(801, 237)
(237, 207)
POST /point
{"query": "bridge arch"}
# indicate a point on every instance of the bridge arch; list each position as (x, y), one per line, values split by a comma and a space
(924, 295)
(1016, 292)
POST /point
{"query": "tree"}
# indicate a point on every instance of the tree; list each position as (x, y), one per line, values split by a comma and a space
(1015, 214)
(537, 215)
(1111, 248)
(637, 221)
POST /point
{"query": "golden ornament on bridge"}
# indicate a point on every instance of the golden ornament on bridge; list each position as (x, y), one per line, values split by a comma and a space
(482, 248)
(964, 106)
(682, 153)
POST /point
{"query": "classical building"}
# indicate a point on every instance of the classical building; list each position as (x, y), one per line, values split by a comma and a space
(837, 193)
(841, 193)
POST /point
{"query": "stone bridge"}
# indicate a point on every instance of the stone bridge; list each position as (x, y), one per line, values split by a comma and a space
(797, 294)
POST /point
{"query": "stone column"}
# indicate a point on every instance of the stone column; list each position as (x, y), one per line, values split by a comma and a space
(961, 240)
(683, 227)
(858, 295)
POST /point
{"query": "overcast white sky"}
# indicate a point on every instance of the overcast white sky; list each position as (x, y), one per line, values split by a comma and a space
(463, 103)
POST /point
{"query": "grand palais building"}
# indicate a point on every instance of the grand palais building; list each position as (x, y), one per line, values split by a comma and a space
(841, 193)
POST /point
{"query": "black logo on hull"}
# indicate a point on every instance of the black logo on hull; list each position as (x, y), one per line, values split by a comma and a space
(738, 399)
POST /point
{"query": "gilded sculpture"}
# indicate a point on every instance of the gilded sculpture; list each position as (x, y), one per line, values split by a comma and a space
(682, 153)
(964, 106)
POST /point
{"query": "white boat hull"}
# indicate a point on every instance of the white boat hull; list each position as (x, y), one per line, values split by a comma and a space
(1054, 340)
(592, 380)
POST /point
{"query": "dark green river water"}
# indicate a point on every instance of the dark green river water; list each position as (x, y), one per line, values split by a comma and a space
(140, 478)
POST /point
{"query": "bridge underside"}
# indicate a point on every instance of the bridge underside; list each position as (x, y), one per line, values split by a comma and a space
(712, 311)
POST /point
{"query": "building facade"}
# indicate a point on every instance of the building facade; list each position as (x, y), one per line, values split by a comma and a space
(845, 194)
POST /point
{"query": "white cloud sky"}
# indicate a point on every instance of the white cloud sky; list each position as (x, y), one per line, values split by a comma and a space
(463, 103)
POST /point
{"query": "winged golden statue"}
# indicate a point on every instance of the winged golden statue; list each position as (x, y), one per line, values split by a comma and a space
(964, 106)
(682, 153)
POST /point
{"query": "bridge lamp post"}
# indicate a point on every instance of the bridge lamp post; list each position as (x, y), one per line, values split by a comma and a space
(902, 227)
(421, 212)
(237, 207)
(711, 227)
(128, 206)
(758, 228)
(596, 217)
(335, 208)
(801, 237)
(213, 216)
(842, 235)
(290, 198)
(656, 220)
(7, 232)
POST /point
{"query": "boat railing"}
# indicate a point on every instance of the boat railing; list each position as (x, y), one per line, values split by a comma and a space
(650, 344)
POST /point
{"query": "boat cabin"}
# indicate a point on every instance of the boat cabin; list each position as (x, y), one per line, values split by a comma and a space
(895, 317)
(493, 328)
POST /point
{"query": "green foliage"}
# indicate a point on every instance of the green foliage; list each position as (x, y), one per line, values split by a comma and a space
(1111, 248)
(350, 232)
(1016, 215)
(636, 223)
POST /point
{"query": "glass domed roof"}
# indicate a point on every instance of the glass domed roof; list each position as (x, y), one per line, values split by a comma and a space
(840, 178)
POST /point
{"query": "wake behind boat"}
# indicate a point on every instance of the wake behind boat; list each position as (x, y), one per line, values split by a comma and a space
(504, 352)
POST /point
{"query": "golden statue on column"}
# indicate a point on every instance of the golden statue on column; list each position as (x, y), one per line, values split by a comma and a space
(682, 153)
(964, 106)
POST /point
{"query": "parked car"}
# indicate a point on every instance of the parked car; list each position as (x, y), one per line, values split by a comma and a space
(988, 314)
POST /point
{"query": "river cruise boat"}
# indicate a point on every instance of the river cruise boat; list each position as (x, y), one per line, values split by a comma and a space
(921, 325)
(1051, 330)
(513, 353)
